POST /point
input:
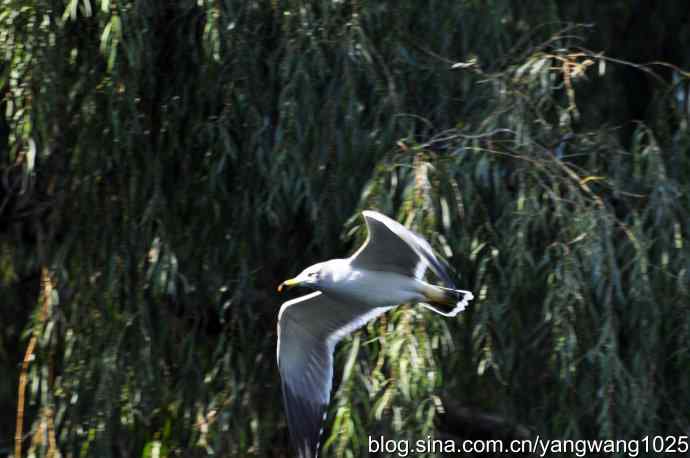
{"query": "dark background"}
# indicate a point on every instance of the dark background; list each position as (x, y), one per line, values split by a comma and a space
(164, 165)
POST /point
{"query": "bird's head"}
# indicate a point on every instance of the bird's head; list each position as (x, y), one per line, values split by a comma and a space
(309, 277)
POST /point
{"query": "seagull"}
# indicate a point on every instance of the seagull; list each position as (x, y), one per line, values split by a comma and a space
(387, 270)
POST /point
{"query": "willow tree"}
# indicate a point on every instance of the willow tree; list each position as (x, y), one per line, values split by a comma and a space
(167, 163)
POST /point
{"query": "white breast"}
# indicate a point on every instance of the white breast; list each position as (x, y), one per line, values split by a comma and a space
(378, 289)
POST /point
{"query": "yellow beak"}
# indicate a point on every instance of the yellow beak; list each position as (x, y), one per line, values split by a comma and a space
(289, 283)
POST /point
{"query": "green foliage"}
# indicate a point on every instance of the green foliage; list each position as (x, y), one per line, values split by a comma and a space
(171, 162)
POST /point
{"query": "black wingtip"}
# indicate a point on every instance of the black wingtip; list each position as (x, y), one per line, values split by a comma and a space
(305, 418)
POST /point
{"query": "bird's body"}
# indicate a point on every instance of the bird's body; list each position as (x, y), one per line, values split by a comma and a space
(385, 272)
(353, 284)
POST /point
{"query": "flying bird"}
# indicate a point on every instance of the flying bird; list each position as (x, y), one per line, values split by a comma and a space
(387, 270)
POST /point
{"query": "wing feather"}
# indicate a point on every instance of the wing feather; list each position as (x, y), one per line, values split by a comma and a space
(392, 247)
(308, 329)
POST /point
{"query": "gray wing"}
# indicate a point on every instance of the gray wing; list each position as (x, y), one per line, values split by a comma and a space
(392, 247)
(308, 329)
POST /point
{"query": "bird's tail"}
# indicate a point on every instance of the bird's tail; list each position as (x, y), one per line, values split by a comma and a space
(447, 301)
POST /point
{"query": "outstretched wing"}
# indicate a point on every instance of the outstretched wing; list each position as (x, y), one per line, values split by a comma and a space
(308, 329)
(392, 247)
